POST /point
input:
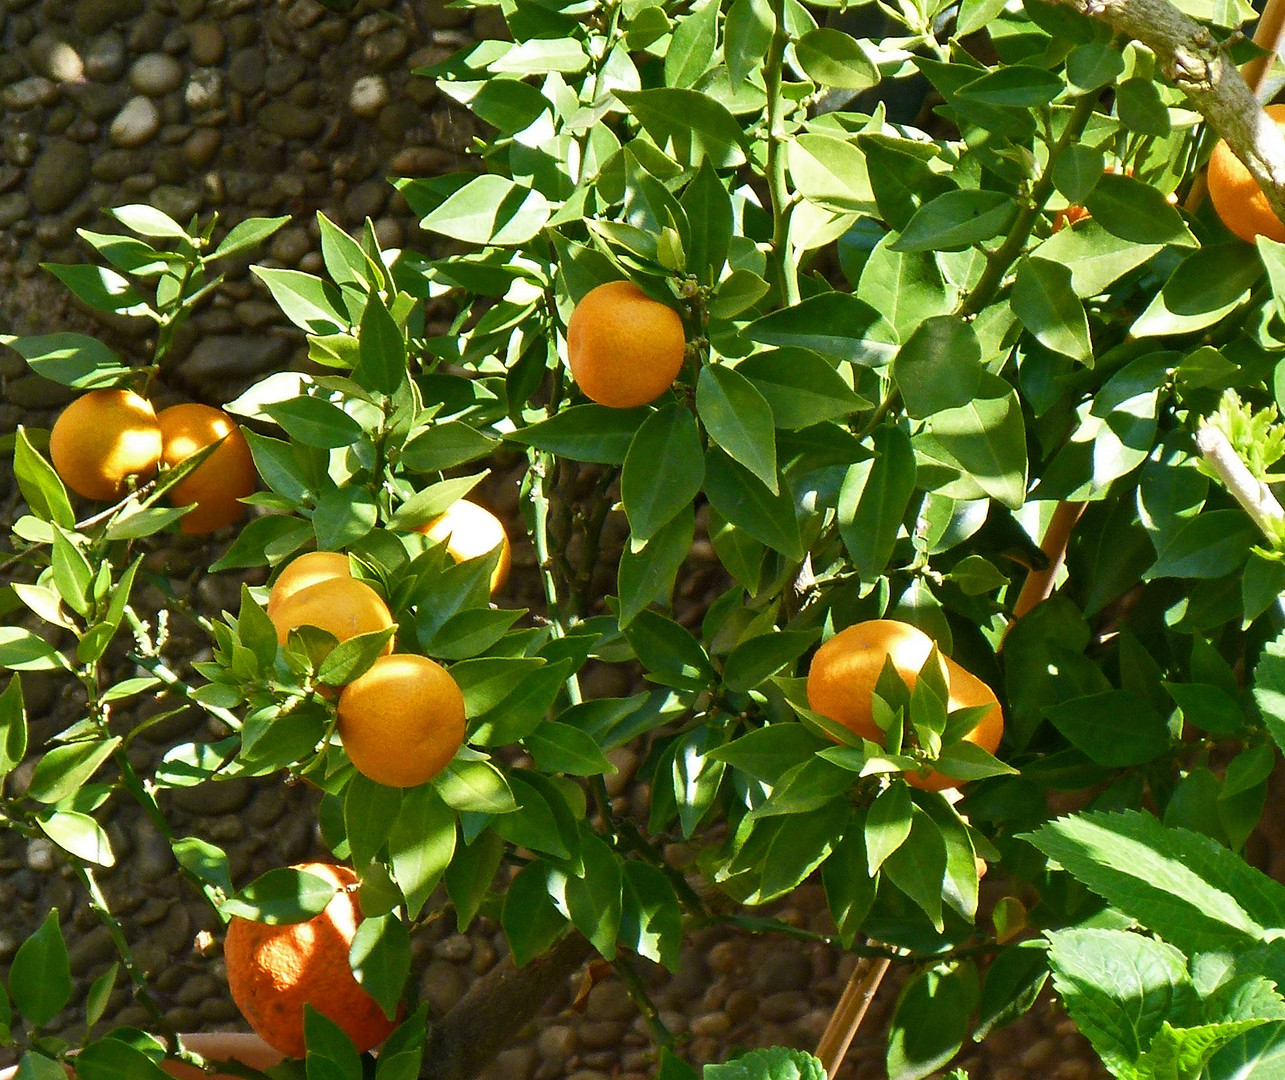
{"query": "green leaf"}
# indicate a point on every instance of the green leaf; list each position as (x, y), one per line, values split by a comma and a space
(939, 366)
(40, 486)
(781, 851)
(1268, 684)
(70, 359)
(873, 501)
(113, 1058)
(331, 1054)
(420, 845)
(771, 1063)
(900, 177)
(1096, 258)
(652, 495)
(474, 785)
(380, 959)
(690, 126)
(648, 574)
(538, 823)
(956, 220)
(1255, 1055)
(832, 323)
(709, 211)
(40, 975)
(1014, 980)
(931, 1020)
(314, 421)
(1210, 708)
(800, 387)
(562, 748)
(1184, 1051)
(830, 57)
(1136, 211)
(447, 444)
(739, 419)
(742, 499)
(531, 921)
(248, 234)
(370, 811)
(99, 995)
(585, 433)
(541, 56)
(669, 652)
(849, 888)
(343, 516)
(205, 861)
(691, 48)
(79, 834)
(1141, 108)
(473, 867)
(490, 209)
(311, 304)
(1191, 890)
(150, 222)
(1209, 545)
(64, 769)
(13, 727)
(381, 348)
(767, 753)
(756, 659)
(21, 650)
(281, 896)
(1120, 988)
(747, 35)
(100, 288)
(1201, 290)
(918, 866)
(651, 922)
(1047, 306)
(888, 825)
(1013, 85)
(594, 898)
(1114, 728)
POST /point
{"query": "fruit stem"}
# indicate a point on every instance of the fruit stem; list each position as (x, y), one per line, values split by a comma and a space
(782, 203)
(1000, 261)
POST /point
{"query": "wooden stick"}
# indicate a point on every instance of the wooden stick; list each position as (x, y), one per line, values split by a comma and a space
(1267, 35)
(850, 1011)
(1039, 583)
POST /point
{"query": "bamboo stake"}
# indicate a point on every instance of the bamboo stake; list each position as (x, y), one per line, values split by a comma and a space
(850, 1011)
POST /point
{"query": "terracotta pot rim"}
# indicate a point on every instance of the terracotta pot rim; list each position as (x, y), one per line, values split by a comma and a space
(242, 1046)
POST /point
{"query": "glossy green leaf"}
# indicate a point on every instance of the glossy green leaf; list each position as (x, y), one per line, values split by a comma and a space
(652, 495)
(739, 419)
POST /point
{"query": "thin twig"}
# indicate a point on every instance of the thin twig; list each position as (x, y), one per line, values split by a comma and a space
(1253, 495)
(849, 1012)
(1038, 586)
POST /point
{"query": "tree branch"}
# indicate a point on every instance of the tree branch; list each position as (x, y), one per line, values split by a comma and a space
(1193, 60)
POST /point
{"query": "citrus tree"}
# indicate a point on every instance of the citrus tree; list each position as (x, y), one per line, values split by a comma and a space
(917, 319)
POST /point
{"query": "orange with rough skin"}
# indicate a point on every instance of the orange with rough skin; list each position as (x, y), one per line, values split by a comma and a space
(624, 348)
(102, 439)
(215, 487)
(469, 531)
(402, 721)
(845, 671)
(342, 606)
(307, 569)
(1239, 201)
(273, 971)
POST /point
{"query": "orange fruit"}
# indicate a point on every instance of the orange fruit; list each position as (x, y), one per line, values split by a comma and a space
(102, 439)
(845, 670)
(1238, 200)
(307, 569)
(222, 479)
(402, 721)
(966, 691)
(624, 348)
(273, 971)
(469, 531)
(342, 606)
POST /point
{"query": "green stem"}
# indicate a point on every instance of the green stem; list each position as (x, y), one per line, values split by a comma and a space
(660, 1033)
(1000, 261)
(136, 975)
(778, 186)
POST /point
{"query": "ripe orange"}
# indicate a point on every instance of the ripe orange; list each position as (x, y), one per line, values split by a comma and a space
(307, 569)
(273, 971)
(623, 347)
(845, 669)
(402, 721)
(223, 478)
(343, 606)
(469, 530)
(102, 439)
(1239, 201)
(843, 673)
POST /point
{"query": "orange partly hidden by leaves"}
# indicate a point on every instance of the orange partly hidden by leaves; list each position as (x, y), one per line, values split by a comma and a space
(845, 671)
(307, 569)
(215, 486)
(342, 606)
(273, 971)
(624, 348)
(402, 721)
(102, 439)
(469, 531)
(1239, 201)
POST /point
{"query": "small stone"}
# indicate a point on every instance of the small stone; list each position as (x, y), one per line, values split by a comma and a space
(602, 1034)
(95, 16)
(93, 948)
(155, 74)
(442, 985)
(290, 245)
(206, 44)
(58, 176)
(197, 988)
(40, 855)
(245, 71)
(282, 75)
(610, 1000)
(29, 92)
(204, 90)
(61, 62)
(290, 121)
(105, 58)
(147, 34)
(514, 1063)
(456, 948)
(711, 1024)
(556, 1044)
(114, 166)
(783, 970)
(223, 797)
(366, 200)
(136, 123)
(304, 13)
(383, 50)
(782, 1007)
(201, 146)
(421, 161)
(13, 208)
(368, 95)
